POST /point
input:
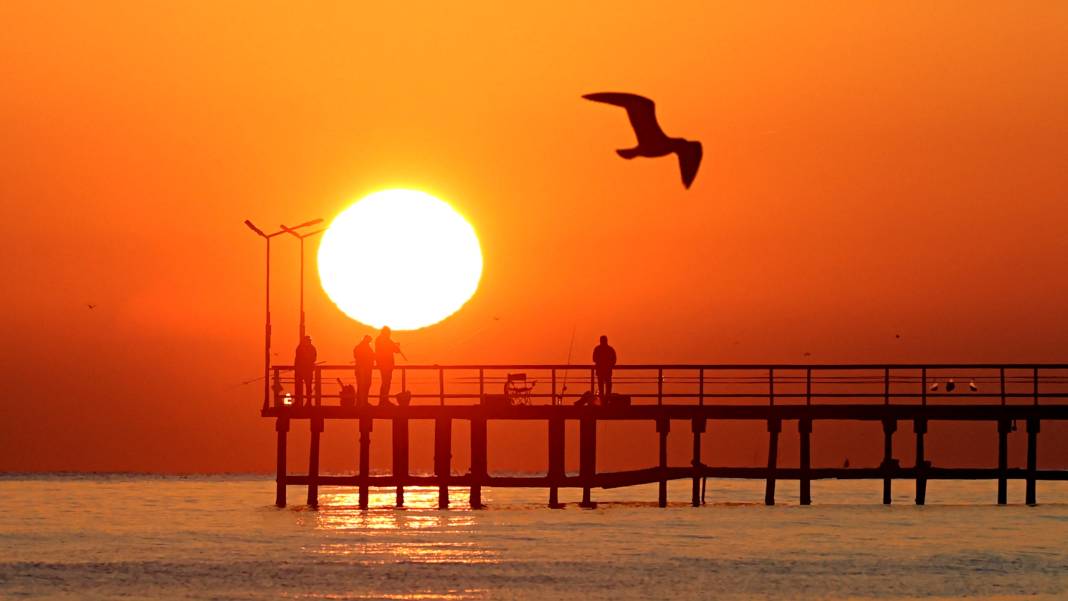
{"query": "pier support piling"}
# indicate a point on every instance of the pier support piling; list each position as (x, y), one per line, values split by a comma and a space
(400, 455)
(587, 456)
(889, 465)
(919, 426)
(281, 426)
(478, 460)
(1032, 458)
(774, 427)
(557, 472)
(443, 458)
(366, 424)
(313, 462)
(1004, 427)
(697, 425)
(804, 428)
(663, 426)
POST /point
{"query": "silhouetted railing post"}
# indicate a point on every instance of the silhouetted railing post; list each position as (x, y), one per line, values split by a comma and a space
(400, 456)
(552, 393)
(774, 426)
(443, 458)
(804, 428)
(888, 467)
(697, 425)
(886, 386)
(441, 386)
(663, 426)
(660, 386)
(481, 384)
(366, 425)
(771, 387)
(318, 386)
(478, 460)
(1004, 427)
(919, 426)
(701, 386)
(557, 471)
(313, 462)
(587, 455)
(1001, 377)
(923, 386)
(808, 386)
(281, 426)
(1032, 458)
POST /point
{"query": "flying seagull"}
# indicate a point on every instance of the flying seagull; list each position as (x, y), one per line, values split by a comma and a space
(90, 305)
(652, 141)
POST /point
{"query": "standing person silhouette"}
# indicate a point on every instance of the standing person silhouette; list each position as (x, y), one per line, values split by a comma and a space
(384, 350)
(365, 363)
(304, 367)
(604, 360)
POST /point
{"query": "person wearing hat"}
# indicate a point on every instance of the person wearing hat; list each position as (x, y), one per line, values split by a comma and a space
(304, 367)
(365, 363)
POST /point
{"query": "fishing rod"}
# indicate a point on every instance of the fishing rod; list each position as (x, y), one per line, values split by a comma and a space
(570, 348)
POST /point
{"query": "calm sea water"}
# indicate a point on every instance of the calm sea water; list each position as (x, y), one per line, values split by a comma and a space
(68, 536)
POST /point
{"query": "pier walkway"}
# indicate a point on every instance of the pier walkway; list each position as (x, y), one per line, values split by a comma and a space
(1010, 397)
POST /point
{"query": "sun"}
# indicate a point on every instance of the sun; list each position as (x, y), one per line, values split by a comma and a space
(400, 258)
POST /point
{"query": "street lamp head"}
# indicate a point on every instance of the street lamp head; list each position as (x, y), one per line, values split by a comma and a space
(293, 230)
(252, 227)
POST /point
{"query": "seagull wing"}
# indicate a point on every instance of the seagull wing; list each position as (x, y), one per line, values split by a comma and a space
(689, 161)
(640, 110)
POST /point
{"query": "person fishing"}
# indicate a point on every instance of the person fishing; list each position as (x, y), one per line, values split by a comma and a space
(385, 348)
(304, 367)
(365, 363)
(604, 360)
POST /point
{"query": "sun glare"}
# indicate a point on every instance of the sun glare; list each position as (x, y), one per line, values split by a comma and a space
(400, 258)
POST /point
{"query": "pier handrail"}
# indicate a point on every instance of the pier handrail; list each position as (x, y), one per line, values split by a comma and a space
(783, 382)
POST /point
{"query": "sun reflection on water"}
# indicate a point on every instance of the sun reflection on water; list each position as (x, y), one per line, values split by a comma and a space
(393, 535)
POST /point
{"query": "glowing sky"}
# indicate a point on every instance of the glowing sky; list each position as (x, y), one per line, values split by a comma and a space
(870, 169)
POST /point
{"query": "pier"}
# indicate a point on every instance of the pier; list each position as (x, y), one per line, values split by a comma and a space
(1014, 399)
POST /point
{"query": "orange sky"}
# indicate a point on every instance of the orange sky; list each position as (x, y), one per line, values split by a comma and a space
(869, 170)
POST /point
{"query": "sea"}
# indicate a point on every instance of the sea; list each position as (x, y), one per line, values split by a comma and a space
(128, 536)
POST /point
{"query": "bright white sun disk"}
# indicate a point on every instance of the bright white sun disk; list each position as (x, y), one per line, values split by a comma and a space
(400, 258)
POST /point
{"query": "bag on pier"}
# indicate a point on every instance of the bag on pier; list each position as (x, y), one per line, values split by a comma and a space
(617, 400)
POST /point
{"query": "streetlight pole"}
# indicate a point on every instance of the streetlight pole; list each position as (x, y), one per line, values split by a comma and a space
(267, 304)
(292, 231)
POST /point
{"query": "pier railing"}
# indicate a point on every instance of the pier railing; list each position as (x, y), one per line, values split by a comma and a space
(697, 384)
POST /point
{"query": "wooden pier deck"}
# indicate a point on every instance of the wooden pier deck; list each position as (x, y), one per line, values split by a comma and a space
(1008, 397)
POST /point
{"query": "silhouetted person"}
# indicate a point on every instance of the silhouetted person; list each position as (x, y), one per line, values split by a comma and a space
(604, 360)
(384, 351)
(652, 141)
(304, 366)
(365, 363)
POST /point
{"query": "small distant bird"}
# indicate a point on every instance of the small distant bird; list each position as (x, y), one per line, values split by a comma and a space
(808, 354)
(972, 386)
(652, 141)
(933, 387)
(91, 306)
(951, 385)
(897, 335)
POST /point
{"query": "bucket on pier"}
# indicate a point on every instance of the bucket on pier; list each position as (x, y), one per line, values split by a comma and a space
(347, 394)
